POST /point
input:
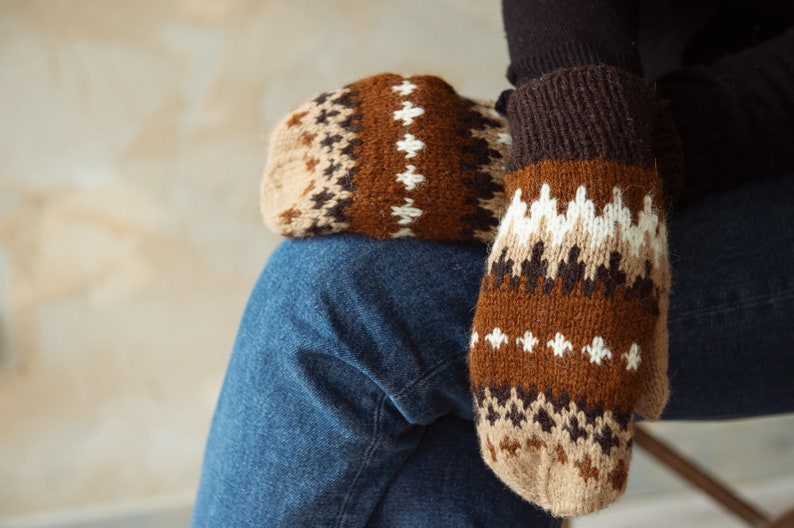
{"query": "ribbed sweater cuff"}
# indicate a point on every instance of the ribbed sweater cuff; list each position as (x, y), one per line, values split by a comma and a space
(583, 113)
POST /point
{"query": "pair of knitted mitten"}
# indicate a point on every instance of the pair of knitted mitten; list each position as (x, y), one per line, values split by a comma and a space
(570, 337)
(388, 157)
(569, 334)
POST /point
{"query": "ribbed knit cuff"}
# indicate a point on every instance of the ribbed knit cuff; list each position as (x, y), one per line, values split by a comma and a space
(583, 113)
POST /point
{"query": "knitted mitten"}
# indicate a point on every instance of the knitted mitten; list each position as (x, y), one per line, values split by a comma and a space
(569, 337)
(386, 157)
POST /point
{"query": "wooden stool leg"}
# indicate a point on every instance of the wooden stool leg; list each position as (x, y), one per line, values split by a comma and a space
(784, 521)
(698, 477)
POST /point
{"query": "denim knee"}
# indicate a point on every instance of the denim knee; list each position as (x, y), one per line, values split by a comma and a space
(396, 311)
(300, 317)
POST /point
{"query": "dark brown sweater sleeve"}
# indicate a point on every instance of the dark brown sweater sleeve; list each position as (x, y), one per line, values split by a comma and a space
(544, 35)
(735, 117)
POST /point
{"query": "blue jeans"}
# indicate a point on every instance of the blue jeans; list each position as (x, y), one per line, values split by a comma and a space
(346, 401)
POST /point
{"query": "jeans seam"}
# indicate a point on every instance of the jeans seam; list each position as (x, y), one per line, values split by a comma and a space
(367, 458)
(431, 372)
(428, 377)
(727, 307)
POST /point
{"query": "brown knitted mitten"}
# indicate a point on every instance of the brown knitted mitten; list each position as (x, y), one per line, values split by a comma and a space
(569, 337)
(386, 157)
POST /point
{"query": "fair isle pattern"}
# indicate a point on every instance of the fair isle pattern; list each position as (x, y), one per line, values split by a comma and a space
(388, 157)
(410, 178)
(515, 408)
(579, 355)
(577, 255)
(407, 213)
(317, 173)
(601, 268)
(597, 349)
(488, 183)
(561, 227)
(569, 336)
(558, 451)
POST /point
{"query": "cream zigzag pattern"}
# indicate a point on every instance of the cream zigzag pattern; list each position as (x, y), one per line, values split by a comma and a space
(596, 235)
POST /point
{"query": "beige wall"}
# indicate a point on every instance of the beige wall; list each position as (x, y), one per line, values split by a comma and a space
(131, 144)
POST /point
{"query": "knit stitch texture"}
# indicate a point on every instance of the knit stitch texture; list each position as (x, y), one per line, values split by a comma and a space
(569, 336)
(388, 157)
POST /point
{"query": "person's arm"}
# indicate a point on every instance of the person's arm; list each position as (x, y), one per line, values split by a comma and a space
(543, 36)
(735, 117)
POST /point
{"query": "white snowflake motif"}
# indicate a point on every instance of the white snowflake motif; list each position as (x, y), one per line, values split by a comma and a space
(497, 338)
(407, 213)
(409, 178)
(408, 113)
(559, 344)
(406, 88)
(475, 338)
(598, 350)
(632, 357)
(528, 341)
(410, 145)
(505, 139)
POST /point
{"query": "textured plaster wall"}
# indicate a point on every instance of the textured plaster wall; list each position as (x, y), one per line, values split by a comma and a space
(132, 139)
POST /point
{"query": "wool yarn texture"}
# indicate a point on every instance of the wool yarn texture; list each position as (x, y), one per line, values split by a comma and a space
(388, 157)
(569, 336)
